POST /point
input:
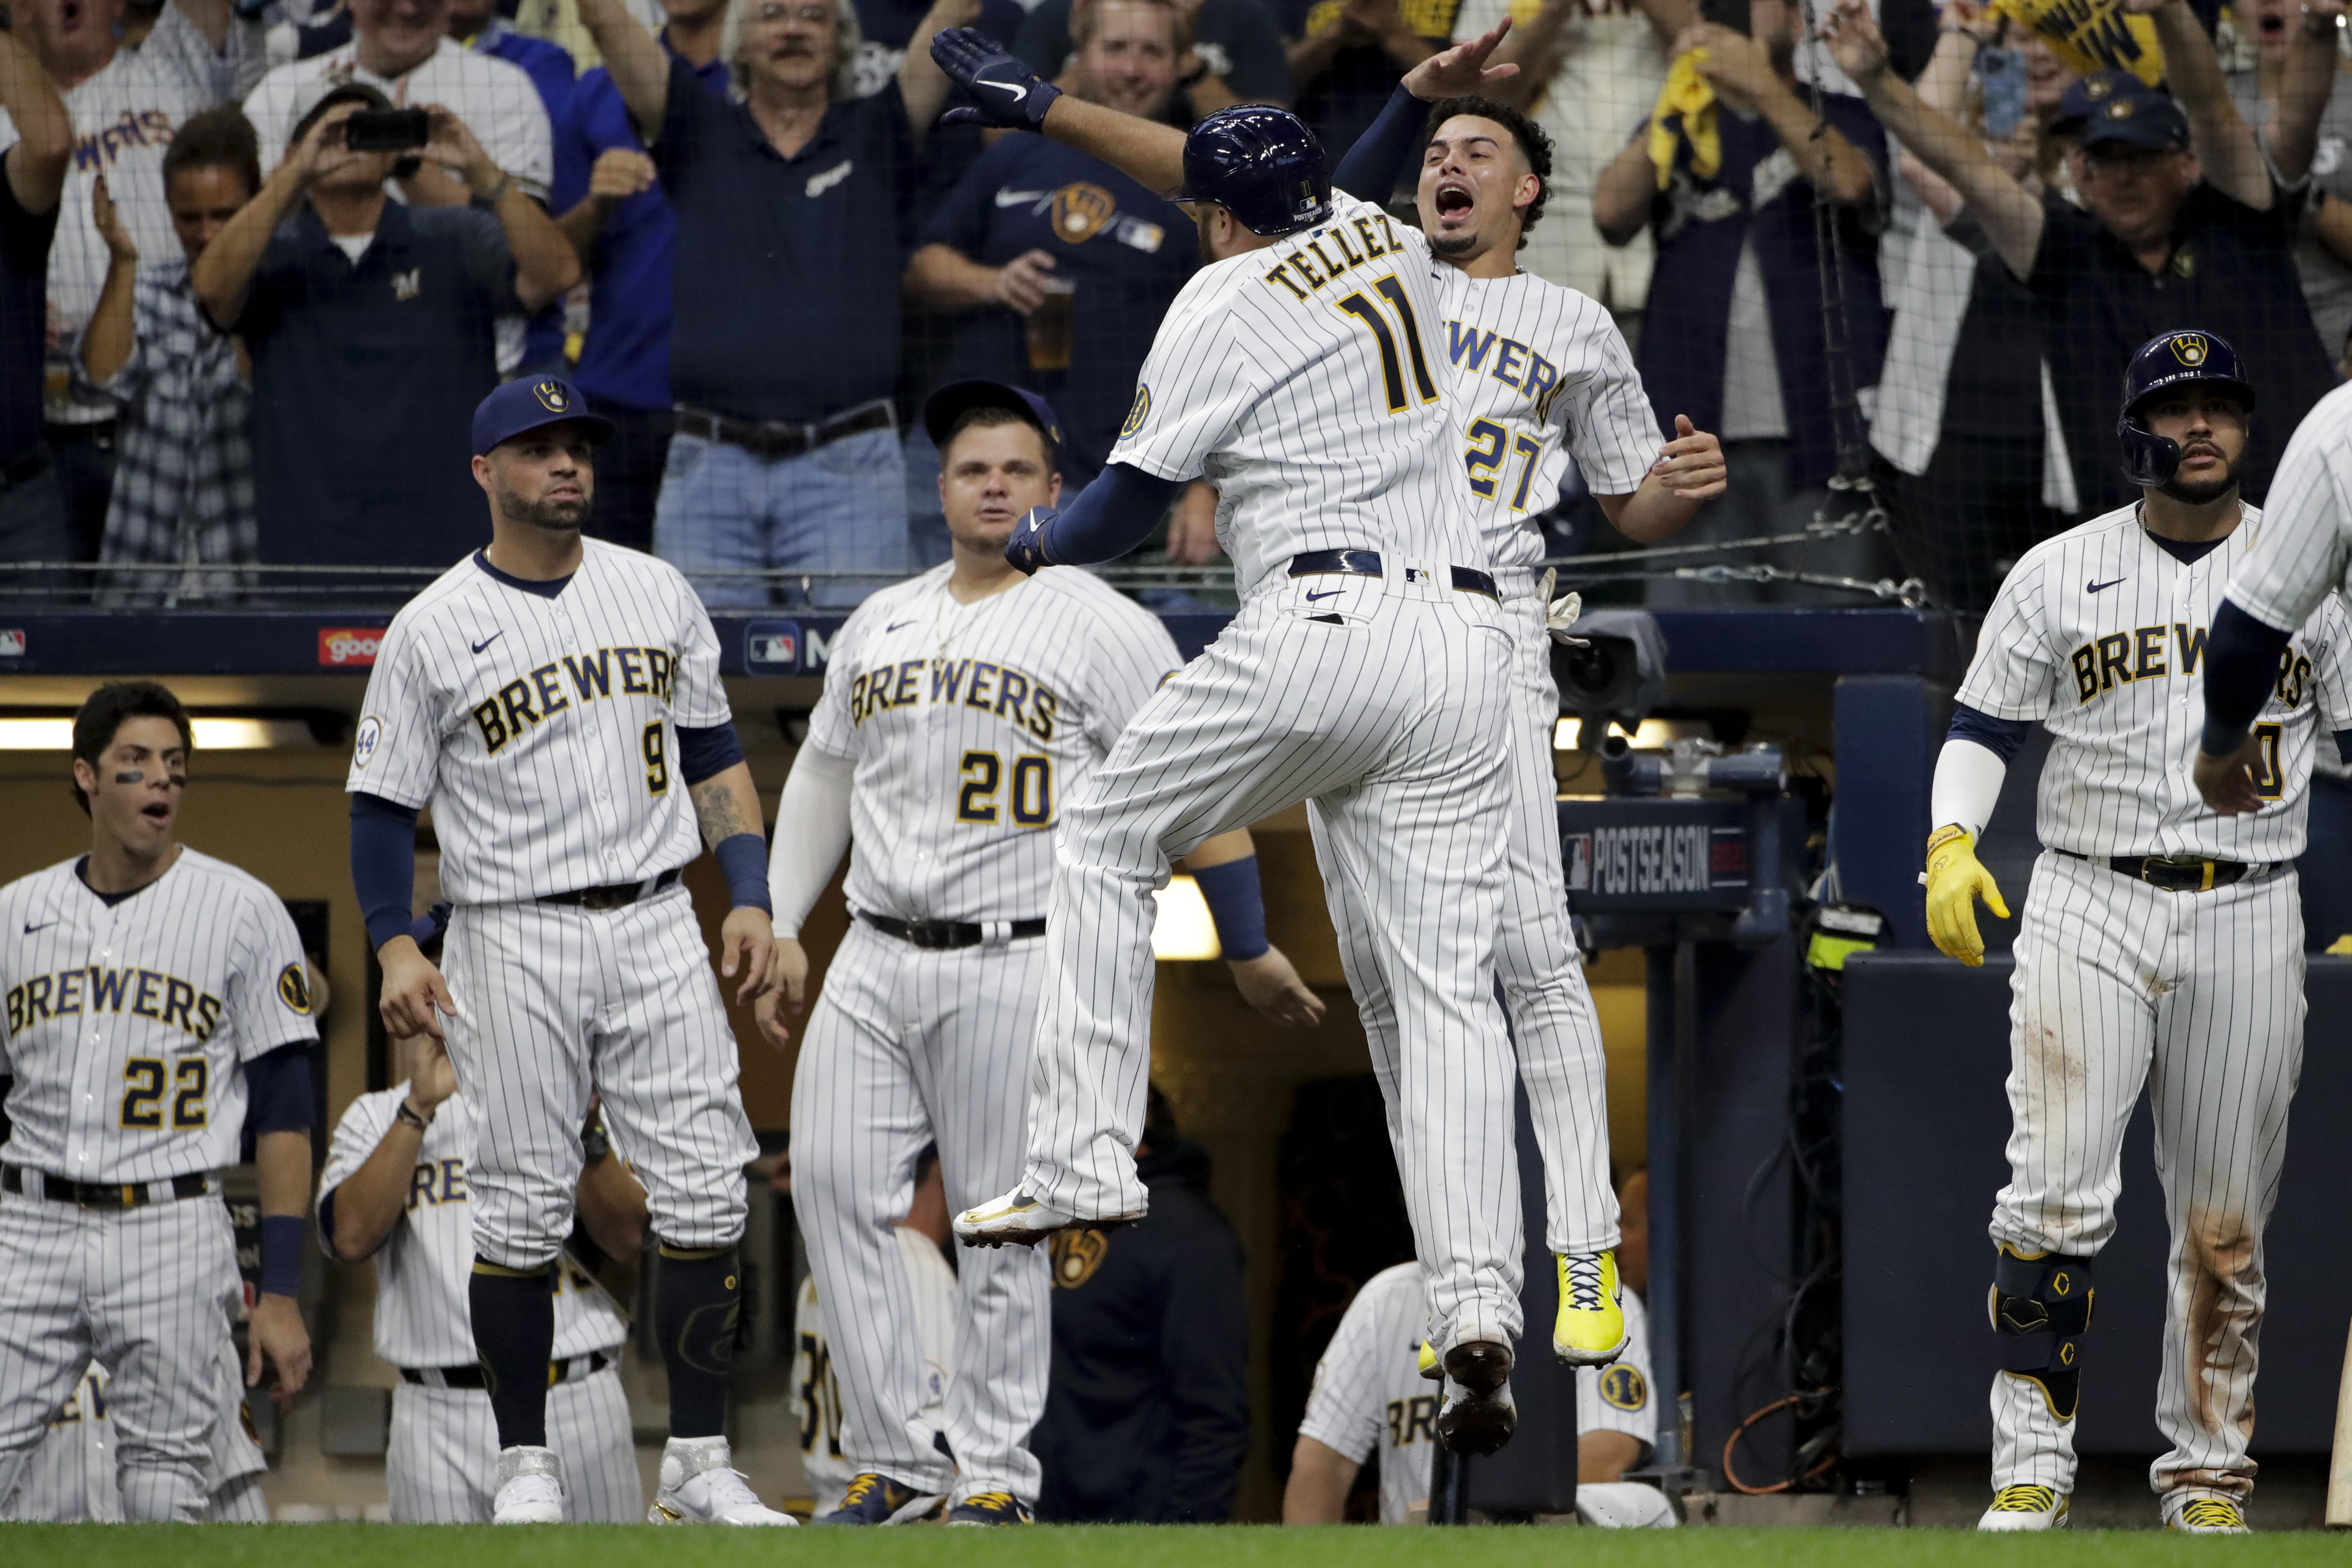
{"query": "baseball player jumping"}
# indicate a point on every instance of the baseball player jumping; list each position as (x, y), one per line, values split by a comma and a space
(1294, 373)
(395, 1188)
(1535, 376)
(2162, 942)
(158, 1002)
(963, 710)
(556, 700)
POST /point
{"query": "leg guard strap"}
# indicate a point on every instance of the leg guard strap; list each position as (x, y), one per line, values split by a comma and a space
(2041, 1307)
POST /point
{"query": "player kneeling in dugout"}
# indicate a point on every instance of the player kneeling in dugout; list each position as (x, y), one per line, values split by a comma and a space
(395, 1190)
(1375, 1388)
(2161, 941)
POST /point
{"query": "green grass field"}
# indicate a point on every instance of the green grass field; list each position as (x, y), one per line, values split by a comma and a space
(589, 1546)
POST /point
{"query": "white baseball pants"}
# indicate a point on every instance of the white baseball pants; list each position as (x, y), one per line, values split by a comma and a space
(2200, 997)
(442, 1465)
(1394, 722)
(905, 1046)
(556, 1002)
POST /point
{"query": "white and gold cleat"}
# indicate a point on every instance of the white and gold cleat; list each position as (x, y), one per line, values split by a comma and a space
(1016, 1219)
(2203, 1514)
(2025, 1508)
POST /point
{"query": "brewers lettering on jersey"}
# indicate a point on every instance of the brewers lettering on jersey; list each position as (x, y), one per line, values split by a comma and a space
(557, 702)
(2162, 941)
(1295, 373)
(1536, 375)
(152, 991)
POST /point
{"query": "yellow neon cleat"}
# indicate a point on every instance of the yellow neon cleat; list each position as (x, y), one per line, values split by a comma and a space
(1591, 1329)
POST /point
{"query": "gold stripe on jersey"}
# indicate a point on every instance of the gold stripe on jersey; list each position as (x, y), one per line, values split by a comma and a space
(96, 989)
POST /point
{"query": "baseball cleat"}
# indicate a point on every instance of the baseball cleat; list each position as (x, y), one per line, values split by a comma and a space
(2025, 1508)
(1591, 1327)
(1426, 1359)
(874, 1497)
(2205, 1516)
(989, 1507)
(531, 1487)
(699, 1485)
(1020, 1220)
(1478, 1415)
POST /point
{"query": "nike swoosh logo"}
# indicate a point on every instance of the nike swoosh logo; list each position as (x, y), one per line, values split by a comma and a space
(1326, 593)
(488, 641)
(2100, 587)
(894, 626)
(30, 929)
(1019, 198)
(1015, 89)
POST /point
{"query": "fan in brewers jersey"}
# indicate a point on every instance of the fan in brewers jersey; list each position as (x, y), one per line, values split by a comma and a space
(2162, 942)
(1372, 1391)
(1537, 377)
(155, 996)
(959, 709)
(394, 1189)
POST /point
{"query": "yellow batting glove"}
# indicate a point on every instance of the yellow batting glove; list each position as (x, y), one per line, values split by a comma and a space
(1955, 879)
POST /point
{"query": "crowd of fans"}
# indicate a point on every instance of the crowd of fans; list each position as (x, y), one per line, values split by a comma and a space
(1886, 239)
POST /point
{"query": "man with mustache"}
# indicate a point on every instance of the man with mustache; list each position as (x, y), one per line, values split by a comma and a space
(2162, 939)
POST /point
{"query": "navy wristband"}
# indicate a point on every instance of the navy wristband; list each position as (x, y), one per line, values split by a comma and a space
(743, 857)
(281, 1254)
(1231, 892)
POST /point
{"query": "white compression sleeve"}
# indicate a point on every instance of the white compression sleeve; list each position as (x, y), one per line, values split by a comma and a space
(811, 833)
(1968, 786)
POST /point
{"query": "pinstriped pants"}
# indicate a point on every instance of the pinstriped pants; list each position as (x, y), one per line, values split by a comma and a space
(1395, 724)
(2200, 997)
(1556, 1031)
(148, 1292)
(905, 1046)
(554, 1003)
(442, 1464)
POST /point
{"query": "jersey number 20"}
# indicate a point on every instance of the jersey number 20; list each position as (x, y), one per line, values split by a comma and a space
(1033, 789)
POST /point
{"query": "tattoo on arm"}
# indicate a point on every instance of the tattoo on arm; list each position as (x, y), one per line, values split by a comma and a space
(725, 806)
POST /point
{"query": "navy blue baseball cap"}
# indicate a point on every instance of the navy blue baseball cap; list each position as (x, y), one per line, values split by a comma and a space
(954, 401)
(526, 404)
(2117, 105)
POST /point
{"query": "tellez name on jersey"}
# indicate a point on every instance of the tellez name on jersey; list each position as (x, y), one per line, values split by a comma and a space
(1298, 268)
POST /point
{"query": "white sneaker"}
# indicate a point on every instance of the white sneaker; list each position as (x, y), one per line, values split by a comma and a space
(1020, 1220)
(531, 1487)
(699, 1485)
(2202, 1513)
(2025, 1508)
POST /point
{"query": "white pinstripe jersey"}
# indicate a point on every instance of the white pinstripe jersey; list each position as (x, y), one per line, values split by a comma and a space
(129, 1023)
(424, 1315)
(2100, 633)
(1368, 1392)
(538, 726)
(1303, 381)
(2305, 548)
(1537, 375)
(970, 725)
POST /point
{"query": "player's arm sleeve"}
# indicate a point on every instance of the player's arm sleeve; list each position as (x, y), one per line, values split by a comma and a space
(2241, 660)
(706, 751)
(268, 1004)
(812, 834)
(1201, 377)
(1376, 164)
(278, 1097)
(364, 1125)
(1969, 769)
(1204, 1348)
(383, 864)
(1343, 1409)
(1112, 515)
(1611, 426)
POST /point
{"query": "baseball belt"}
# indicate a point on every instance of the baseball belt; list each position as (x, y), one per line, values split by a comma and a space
(619, 896)
(2174, 873)
(774, 439)
(470, 1375)
(103, 1194)
(1366, 563)
(938, 936)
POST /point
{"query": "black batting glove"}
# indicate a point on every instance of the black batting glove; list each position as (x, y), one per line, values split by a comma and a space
(1026, 549)
(1010, 94)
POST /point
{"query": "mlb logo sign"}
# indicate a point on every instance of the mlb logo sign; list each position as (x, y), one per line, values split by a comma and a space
(12, 642)
(1579, 851)
(771, 648)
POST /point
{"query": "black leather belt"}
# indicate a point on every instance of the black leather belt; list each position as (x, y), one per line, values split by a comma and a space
(1366, 563)
(942, 935)
(783, 439)
(2174, 873)
(619, 896)
(471, 1376)
(106, 1194)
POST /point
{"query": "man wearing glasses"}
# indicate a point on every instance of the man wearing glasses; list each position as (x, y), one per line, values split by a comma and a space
(2186, 215)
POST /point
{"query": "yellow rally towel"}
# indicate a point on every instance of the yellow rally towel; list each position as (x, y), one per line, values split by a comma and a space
(2092, 35)
(1685, 111)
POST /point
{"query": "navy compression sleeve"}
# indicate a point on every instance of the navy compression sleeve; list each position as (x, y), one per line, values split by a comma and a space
(1110, 517)
(2001, 737)
(1375, 165)
(383, 863)
(2241, 661)
(704, 754)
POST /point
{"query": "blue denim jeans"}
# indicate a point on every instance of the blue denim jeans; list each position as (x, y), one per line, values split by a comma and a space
(841, 508)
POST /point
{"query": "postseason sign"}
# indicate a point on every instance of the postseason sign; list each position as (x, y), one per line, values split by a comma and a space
(1654, 856)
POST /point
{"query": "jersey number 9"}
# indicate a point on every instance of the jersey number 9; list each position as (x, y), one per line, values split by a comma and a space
(657, 759)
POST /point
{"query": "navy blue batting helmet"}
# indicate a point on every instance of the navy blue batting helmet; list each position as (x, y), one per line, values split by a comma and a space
(2167, 361)
(1262, 165)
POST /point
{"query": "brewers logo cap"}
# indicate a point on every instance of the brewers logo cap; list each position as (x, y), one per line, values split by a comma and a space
(949, 404)
(2117, 105)
(529, 402)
